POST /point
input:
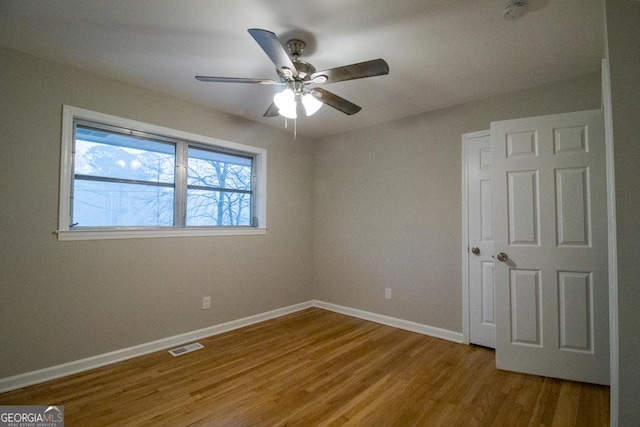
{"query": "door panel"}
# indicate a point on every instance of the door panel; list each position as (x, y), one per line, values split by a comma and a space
(572, 203)
(575, 311)
(486, 206)
(549, 199)
(524, 286)
(487, 298)
(523, 207)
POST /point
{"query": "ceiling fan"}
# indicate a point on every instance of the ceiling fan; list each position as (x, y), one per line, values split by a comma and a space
(298, 75)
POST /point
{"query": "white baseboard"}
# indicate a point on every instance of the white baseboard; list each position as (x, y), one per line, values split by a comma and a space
(65, 369)
(392, 321)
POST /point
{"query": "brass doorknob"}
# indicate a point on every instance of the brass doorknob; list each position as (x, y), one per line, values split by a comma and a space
(502, 257)
(475, 250)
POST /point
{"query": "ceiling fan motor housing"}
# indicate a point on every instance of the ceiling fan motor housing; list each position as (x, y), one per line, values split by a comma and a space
(304, 69)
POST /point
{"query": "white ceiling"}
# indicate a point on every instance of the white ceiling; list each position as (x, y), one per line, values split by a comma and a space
(440, 52)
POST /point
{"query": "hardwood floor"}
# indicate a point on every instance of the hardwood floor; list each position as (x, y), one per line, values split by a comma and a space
(318, 368)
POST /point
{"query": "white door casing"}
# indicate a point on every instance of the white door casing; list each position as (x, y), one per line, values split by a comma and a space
(550, 219)
(480, 264)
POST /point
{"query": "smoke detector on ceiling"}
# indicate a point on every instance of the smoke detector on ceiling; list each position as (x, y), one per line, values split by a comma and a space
(515, 9)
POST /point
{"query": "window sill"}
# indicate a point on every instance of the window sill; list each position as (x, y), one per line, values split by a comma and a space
(72, 235)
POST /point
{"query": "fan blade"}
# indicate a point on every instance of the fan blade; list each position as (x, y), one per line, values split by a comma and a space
(271, 45)
(376, 67)
(333, 100)
(235, 80)
(272, 111)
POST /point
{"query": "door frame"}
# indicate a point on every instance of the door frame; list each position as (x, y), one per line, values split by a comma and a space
(467, 141)
(614, 368)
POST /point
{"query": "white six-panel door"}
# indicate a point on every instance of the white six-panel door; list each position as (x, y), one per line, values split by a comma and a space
(549, 195)
(482, 327)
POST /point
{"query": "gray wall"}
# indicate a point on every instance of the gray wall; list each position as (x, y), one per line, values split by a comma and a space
(623, 34)
(388, 204)
(63, 301)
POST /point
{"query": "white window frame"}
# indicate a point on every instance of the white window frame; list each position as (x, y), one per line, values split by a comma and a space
(64, 233)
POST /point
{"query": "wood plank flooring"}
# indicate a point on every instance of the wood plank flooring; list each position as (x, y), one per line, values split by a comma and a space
(318, 368)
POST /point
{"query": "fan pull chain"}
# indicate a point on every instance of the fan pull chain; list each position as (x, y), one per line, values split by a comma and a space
(295, 126)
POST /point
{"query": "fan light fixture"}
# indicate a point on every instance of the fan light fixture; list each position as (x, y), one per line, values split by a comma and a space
(311, 104)
(287, 104)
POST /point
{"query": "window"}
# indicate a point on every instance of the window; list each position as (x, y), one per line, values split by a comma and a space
(124, 179)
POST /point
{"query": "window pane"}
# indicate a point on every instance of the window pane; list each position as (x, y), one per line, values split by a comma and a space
(211, 208)
(218, 170)
(113, 155)
(114, 204)
(209, 173)
(110, 170)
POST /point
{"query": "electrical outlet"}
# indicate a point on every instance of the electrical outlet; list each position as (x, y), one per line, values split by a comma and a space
(206, 303)
(387, 293)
